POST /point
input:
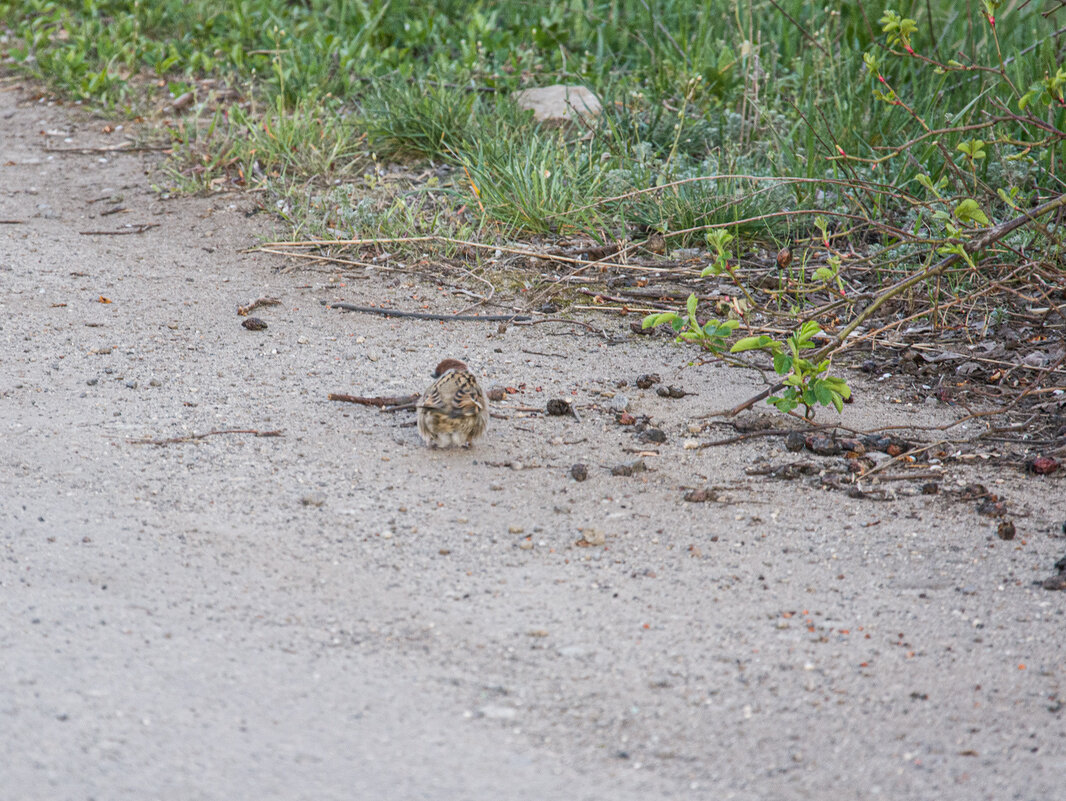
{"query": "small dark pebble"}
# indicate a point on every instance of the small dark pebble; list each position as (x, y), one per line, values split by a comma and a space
(795, 441)
(653, 435)
(637, 328)
(822, 445)
(1054, 582)
(646, 380)
(670, 392)
(92, 382)
(548, 308)
(1061, 565)
(972, 492)
(1005, 530)
(852, 446)
(990, 507)
(869, 366)
(930, 488)
(579, 472)
(253, 324)
(557, 407)
(496, 394)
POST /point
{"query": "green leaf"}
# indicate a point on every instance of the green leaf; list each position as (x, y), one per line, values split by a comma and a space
(969, 211)
(693, 301)
(753, 343)
(782, 363)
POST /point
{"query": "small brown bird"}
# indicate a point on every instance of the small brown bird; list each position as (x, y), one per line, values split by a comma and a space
(454, 410)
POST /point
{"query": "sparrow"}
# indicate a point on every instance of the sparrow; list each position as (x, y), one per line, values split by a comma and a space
(454, 410)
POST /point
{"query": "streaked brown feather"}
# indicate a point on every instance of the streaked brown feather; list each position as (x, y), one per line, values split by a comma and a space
(454, 410)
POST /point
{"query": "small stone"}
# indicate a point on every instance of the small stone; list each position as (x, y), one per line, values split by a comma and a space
(515, 530)
(1055, 582)
(691, 444)
(626, 419)
(526, 545)
(591, 538)
(559, 103)
(795, 441)
(653, 435)
(646, 380)
(701, 495)
(629, 468)
(496, 393)
(313, 499)
(619, 403)
(155, 382)
(254, 324)
(131, 385)
(822, 445)
(557, 407)
(1006, 530)
(579, 471)
(671, 392)
(92, 382)
(930, 488)
(695, 428)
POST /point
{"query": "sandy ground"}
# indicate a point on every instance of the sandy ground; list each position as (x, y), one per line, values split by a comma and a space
(339, 613)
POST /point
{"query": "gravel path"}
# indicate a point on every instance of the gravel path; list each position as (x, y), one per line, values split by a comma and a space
(337, 612)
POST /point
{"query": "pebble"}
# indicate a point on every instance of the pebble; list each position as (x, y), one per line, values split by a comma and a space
(646, 380)
(313, 499)
(526, 545)
(254, 324)
(155, 382)
(557, 407)
(691, 444)
(516, 530)
(670, 392)
(579, 471)
(592, 536)
(795, 441)
(629, 468)
(619, 403)
(653, 435)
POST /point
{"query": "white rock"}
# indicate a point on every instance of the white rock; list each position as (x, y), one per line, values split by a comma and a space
(559, 103)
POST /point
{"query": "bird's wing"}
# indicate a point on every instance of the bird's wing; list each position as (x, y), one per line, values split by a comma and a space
(455, 394)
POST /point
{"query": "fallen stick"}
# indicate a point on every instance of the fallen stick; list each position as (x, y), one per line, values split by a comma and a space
(194, 437)
(140, 229)
(244, 311)
(472, 318)
(381, 401)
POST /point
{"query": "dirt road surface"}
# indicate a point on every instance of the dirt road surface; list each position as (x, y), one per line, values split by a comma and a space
(339, 613)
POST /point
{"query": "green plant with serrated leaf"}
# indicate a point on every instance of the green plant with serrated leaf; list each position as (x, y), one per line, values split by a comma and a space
(712, 335)
(805, 383)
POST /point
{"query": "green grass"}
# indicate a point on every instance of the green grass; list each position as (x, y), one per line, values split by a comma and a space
(319, 88)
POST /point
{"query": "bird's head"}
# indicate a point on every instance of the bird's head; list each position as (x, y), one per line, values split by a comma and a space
(448, 364)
